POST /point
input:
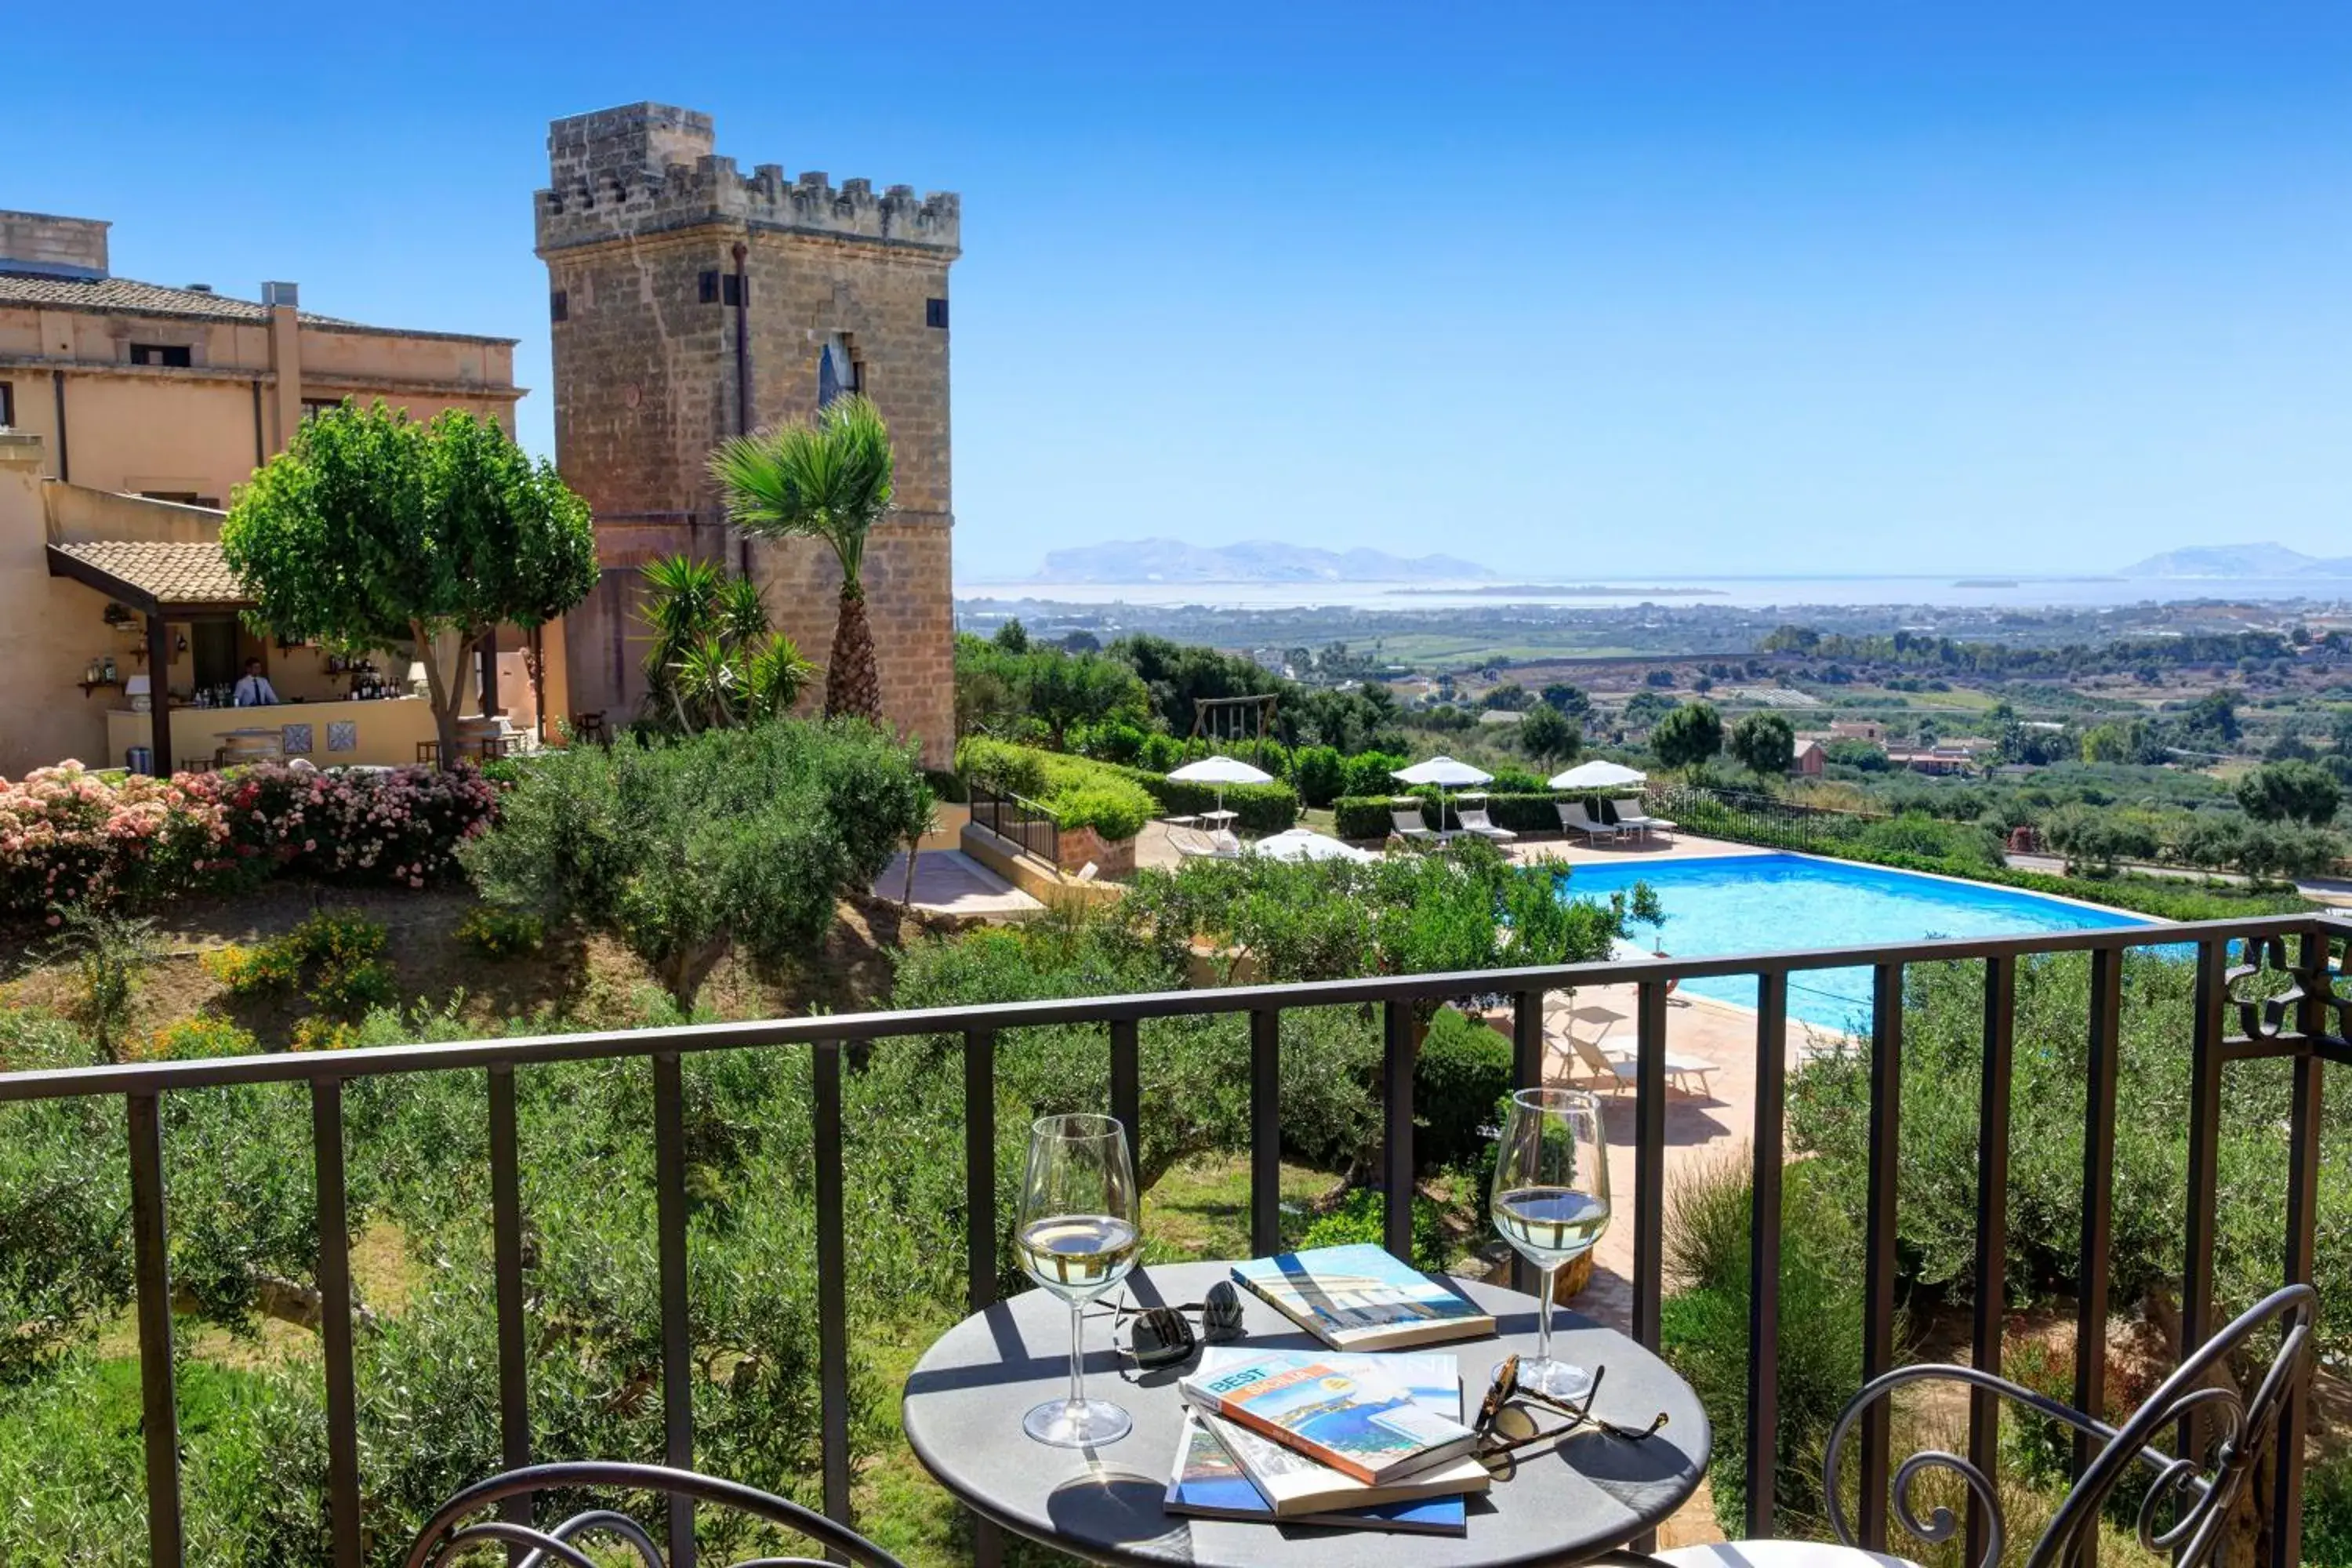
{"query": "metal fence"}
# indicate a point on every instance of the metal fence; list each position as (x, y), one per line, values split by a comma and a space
(1018, 820)
(1747, 818)
(2292, 960)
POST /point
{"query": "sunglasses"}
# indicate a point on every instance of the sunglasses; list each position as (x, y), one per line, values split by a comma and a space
(1163, 1336)
(1506, 1423)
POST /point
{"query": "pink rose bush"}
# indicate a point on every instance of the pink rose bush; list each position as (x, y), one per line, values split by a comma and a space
(68, 835)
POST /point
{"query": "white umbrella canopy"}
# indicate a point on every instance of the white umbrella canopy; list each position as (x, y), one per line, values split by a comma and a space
(1444, 773)
(1220, 772)
(1599, 774)
(1305, 844)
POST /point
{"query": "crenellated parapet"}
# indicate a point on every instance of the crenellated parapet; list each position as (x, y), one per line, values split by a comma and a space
(649, 168)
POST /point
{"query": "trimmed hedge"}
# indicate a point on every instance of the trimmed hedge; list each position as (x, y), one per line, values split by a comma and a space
(1046, 776)
(1079, 792)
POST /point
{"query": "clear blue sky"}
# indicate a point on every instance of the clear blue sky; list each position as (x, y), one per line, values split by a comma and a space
(1752, 287)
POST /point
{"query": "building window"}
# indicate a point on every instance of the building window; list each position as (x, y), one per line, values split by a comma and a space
(171, 356)
(559, 305)
(717, 287)
(7, 404)
(839, 371)
(320, 406)
(935, 314)
(708, 291)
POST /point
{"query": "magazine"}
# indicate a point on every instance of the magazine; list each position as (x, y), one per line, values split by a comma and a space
(1210, 1483)
(1353, 1413)
(1361, 1299)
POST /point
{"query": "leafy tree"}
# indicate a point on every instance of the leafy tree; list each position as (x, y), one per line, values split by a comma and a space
(1320, 774)
(1508, 697)
(372, 531)
(1688, 736)
(2289, 792)
(1645, 709)
(685, 849)
(1765, 743)
(1549, 736)
(714, 662)
(1013, 636)
(1081, 641)
(829, 479)
(1573, 702)
(1067, 688)
(1853, 752)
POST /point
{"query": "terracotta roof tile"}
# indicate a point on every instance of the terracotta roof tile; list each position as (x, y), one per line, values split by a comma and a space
(128, 296)
(193, 573)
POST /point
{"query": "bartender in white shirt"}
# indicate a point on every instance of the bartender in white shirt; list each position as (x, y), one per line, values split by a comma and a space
(254, 690)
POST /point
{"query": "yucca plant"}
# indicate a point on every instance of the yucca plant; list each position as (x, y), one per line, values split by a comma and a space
(829, 479)
(714, 664)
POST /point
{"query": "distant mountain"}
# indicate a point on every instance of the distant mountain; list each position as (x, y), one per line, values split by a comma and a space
(2240, 560)
(1253, 561)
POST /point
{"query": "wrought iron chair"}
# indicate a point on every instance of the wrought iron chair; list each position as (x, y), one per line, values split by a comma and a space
(2197, 1492)
(446, 1534)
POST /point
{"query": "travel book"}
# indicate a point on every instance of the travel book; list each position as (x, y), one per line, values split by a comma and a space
(1361, 1299)
(1348, 1413)
(1225, 1471)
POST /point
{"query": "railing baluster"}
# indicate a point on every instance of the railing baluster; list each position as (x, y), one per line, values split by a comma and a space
(980, 1219)
(506, 1253)
(2204, 1146)
(335, 1320)
(1396, 1141)
(1879, 1238)
(1265, 1131)
(831, 1287)
(1764, 1254)
(2098, 1209)
(677, 1343)
(1649, 1177)
(1527, 1072)
(2302, 1246)
(1992, 1228)
(1649, 1161)
(159, 1399)
(1127, 1082)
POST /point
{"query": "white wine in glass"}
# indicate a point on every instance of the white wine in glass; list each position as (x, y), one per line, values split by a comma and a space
(1550, 1202)
(1079, 1233)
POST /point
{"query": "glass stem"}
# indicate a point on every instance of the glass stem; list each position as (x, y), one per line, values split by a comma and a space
(1078, 1355)
(1543, 1317)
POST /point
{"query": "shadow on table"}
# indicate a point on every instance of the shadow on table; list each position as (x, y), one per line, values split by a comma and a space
(1117, 1506)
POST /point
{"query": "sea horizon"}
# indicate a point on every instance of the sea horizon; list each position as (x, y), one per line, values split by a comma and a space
(1750, 591)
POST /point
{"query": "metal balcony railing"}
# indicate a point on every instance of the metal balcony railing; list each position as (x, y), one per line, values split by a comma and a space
(1018, 820)
(2302, 1020)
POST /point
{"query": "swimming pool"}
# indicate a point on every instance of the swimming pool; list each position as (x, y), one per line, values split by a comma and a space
(1759, 903)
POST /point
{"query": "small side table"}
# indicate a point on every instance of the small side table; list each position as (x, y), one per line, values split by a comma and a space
(1572, 1502)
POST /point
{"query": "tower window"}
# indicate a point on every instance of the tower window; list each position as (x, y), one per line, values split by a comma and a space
(839, 371)
(708, 293)
(731, 288)
(935, 314)
(559, 305)
(172, 356)
(7, 404)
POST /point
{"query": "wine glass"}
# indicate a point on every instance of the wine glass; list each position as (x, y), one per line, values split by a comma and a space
(1079, 1235)
(1551, 1203)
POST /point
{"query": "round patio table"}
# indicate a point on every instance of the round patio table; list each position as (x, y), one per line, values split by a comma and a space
(1568, 1502)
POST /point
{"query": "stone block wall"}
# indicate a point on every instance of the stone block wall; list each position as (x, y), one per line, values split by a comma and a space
(638, 228)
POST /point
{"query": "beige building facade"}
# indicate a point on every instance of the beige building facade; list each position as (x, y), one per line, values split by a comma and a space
(129, 412)
(690, 302)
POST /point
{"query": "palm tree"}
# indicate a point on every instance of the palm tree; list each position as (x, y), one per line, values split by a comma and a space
(829, 479)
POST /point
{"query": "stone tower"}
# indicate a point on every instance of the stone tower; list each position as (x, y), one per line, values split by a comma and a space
(689, 303)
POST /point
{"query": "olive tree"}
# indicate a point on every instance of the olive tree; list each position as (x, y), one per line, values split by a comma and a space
(372, 531)
(1688, 736)
(1765, 743)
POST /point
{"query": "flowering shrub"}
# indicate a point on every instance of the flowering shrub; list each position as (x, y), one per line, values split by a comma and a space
(496, 932)
(321, 1034)
(68, 836)
(251, 971)
(342, 950)
(200, 1036)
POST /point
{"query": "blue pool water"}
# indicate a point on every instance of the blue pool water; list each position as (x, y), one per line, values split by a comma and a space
(1757, 903)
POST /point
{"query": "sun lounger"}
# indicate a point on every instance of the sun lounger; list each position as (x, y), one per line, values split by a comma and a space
(1622, 1067)
(1573, 818)
(1473, 819)
(1407, 824)
(1631, 816)
(1194, 844)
